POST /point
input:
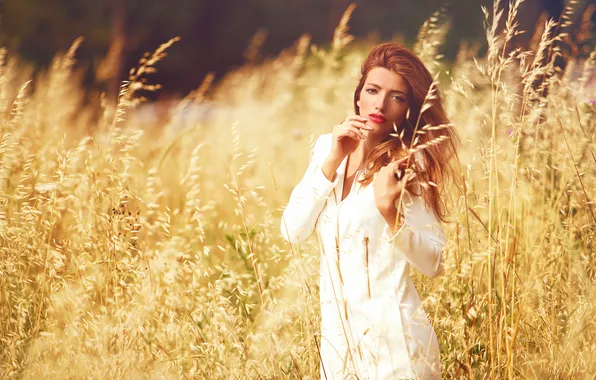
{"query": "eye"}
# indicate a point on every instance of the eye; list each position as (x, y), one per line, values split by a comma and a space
(371, 91)
(399, 99)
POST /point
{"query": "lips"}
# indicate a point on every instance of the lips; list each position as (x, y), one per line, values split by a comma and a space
(379, 119)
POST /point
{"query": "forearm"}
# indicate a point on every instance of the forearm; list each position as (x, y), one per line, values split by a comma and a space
(420, 238)
(330, 166)
(307, 200)
(390, 215)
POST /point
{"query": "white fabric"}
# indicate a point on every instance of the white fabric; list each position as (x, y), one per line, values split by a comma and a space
(373, 324)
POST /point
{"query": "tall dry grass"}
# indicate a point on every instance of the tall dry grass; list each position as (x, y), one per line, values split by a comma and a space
(136, 250)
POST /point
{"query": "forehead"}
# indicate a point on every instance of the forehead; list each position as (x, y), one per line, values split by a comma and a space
(387, 79)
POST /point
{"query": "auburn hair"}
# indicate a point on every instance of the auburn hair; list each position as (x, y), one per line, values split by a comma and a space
(437, 147)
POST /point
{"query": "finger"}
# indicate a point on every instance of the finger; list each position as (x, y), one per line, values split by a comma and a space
(407, 178)
(356, 117)
(357, 131)
(399, 174)
(396, 166)
(350, 128)
(359, 124)
(402, 160)
(393, 166)
(351, 134)
(357, 120)
(403, 174)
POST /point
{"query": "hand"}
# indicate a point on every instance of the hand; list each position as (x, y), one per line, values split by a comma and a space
(347, 136)
(388, 186)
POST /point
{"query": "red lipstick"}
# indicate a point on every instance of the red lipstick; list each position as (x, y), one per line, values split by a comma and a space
(379, 119)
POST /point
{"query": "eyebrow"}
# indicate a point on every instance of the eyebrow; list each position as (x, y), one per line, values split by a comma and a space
(377, 86)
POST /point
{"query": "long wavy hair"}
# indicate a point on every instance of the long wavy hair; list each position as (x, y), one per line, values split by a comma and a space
(428, 134)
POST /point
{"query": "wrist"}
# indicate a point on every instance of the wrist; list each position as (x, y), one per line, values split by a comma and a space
(334, 159)
(330, 167)
(332, 162)
(393, 219)
(387, 209)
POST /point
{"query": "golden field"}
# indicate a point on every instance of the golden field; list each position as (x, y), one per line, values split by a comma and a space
(143, 247)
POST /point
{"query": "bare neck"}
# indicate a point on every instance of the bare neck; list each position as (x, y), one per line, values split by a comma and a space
(364, 148)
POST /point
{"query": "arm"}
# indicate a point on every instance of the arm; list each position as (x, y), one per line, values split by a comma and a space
(309, 196)
(420, 238)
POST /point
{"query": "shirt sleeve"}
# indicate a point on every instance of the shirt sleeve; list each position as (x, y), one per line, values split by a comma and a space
(421, 238)
(308, 197)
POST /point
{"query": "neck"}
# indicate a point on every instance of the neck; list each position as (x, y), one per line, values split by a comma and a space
(366, 146)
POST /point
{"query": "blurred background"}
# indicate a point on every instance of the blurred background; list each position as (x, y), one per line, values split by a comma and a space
(215, 35)
(142, 239)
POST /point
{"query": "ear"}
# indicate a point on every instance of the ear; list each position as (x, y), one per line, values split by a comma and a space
(358, 103)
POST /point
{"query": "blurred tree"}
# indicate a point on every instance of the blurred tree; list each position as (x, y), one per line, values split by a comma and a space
(214, 34)
(119, 30)
(111, 66)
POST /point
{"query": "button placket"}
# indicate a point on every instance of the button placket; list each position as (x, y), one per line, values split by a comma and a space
(365, 242)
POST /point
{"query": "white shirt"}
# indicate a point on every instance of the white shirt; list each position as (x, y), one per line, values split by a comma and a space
(372, 320)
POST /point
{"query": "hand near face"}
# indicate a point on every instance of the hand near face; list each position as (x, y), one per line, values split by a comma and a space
(387, 187)
(347, 136)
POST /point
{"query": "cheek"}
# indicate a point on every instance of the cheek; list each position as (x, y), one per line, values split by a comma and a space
(404, 111)
(365, 99)
(400, 112)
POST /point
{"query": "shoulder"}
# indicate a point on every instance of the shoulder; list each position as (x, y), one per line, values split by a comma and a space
(324, 141)
(322, 145)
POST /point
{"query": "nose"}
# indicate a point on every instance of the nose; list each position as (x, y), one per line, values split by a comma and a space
(380, 105)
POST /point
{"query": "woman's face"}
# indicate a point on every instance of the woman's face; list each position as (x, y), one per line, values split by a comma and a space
(384, 100)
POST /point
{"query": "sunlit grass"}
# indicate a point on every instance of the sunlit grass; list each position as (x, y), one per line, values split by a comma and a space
(131, 249)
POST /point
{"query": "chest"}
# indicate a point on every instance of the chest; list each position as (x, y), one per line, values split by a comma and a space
(351, 208)
(355, 213)
(350, 173)
(348, 184)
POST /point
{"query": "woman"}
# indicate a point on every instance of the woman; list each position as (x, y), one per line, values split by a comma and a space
(373, 324)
